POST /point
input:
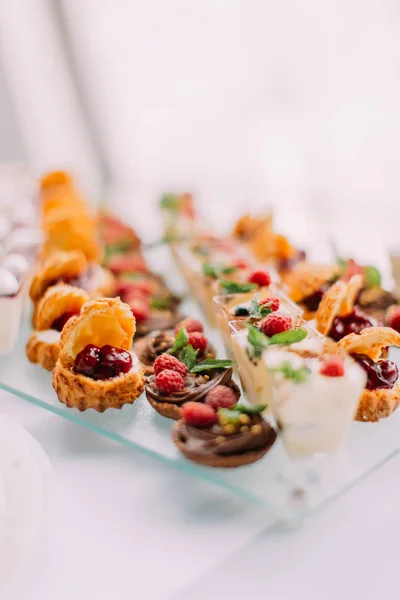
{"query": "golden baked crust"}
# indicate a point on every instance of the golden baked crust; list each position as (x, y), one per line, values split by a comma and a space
(68, 233)
(102, 321)
(378, 404)
(58, 265)
(54, 179)
(354, 286)
(78, 391)
(247, 225)
(329, 307)
(41, 352)
(371, 341)
(305, 279)
(58, 300)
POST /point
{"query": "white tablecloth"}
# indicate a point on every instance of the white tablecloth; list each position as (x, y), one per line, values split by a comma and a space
(123, 526)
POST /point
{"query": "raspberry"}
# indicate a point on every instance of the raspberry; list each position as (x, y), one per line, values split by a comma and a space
(198, 341)
(260, 278)
(167, 361)
(239, 263)
(273, 301)
(352, 268)
(332, 367)
(221, 397)
(190, 325)
(393, 317)
(169, 382)
(276, 323)
(198, 415)
(140, 309)
(129, 262)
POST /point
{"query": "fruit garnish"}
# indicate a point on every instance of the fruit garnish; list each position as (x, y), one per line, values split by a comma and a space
(287, 370)
(140, 309)
(221, 396)
(211, 363)
(258, 310)
(382, 374)
(198, 341)
(215, 271)
(181, 339)
(102, 363)
(167, 361)
(114, 249)
(276, 323)
(232, 287)
(59, 323)
(260, 278)
(393, 317)
(271, 302)
(372, 276)
(353, 322)
(226, 416)
(242, 311)
(160, 303)
(169, 382)
(188, 356)
(170, 202)
(190, 325)
(239, 263)
(197, 414)
(257, 340)
(332, 367)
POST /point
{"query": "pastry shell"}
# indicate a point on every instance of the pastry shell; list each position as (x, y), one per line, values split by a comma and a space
(58, 265)
(39, 351)
(305, 279)
(339, 299)
(57, 301)
(378, 404)
(77, 391)
(371, 341)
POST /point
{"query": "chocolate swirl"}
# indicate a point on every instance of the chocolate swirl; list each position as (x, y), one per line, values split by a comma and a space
(149, 347)
(196, 387)
(214, 441)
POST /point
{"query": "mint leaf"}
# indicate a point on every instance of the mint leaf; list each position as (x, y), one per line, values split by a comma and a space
(170, 202)
(181, 339)
(211, 363)
(372, 276)
(289, 337)
(249, 409)
(257, 310)
(160, 303)
(231, 287)
(257, 340)
(289, 372)
(113, 249)
(216, 271)
(341, 262)
(226, 416)
(188, 356)
(265, 309)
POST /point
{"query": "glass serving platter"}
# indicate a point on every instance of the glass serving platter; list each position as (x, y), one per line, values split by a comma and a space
(291, 489)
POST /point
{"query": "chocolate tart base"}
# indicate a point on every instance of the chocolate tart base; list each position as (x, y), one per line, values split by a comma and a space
(378, 404)
(230, 461)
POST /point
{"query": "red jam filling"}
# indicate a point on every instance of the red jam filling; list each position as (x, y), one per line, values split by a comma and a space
(102, 363)
(287, 264)
(59, 323)
(354, 322)
(311, 302)
(382, 374)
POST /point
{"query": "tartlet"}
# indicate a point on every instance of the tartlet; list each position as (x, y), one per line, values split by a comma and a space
(381, 396)
(58, 304)
(96, 367)
(235, 439)
(158, 342)
(196, 388)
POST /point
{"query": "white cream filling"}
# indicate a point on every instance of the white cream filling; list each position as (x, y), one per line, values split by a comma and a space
(49, 336)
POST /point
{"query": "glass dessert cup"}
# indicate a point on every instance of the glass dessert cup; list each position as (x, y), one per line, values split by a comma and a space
(314, 408)
(226, 305)
(255, 378)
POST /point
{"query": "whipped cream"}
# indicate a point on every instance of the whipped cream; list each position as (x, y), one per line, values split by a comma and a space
(8, 283)
(49, 336)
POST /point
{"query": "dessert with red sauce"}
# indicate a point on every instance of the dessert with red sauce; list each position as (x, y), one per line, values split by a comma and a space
(72, 268)
(172, 341)
(58, 304)
(381, 395)
(176, 382)
(96, 367)
(220, 435)
(307, 283)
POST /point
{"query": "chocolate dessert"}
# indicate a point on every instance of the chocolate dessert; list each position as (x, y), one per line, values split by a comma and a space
(196, 387)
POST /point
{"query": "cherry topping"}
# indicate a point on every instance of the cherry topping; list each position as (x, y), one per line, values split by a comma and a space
(87, 359)
(102, 363)
(59, 323)
(312, 302)
(381, 375)
(354, 322)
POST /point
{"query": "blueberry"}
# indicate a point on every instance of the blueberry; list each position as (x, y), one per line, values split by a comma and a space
(242, 311)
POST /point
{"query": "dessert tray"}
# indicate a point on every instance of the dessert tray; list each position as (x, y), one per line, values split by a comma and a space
(291, 484)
